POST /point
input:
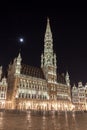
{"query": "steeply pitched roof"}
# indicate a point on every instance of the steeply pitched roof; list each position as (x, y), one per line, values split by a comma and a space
(38, 73)
(32, 71)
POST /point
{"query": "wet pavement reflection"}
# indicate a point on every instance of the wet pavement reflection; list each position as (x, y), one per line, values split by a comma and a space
(27, 121)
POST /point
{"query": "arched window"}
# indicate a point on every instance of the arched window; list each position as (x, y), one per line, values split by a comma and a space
(22, 95)
(29, 95)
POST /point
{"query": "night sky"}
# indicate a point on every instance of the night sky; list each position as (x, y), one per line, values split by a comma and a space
(69, 29)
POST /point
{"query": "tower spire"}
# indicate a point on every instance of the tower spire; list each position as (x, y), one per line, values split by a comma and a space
(48, 33)
(48, 46)
(48, 58)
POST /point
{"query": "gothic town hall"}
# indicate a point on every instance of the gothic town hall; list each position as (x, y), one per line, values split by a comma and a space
(29, 87)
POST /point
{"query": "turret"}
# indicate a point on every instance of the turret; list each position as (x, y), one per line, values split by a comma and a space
(67, 79)
(0, 72)
(18, 64)
(4, 81)
(74, 87)
(42, 61)
(55, 61)
(80, 85)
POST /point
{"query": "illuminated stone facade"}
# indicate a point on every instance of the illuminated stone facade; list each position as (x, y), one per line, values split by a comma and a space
(3, 90)
(38, 88)
(79, 96)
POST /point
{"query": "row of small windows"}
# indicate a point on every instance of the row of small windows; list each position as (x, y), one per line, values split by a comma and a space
(2, 88)
(53, 96)
(81, 94)
(2, 95)
(62, 90)
(75, 94)
(82, 99)
(58, 97)
(53, 88)
(61, 97)
(33, 82)
(62, 87)
(32, 96)
(75, 100)
(58, 89)
(79, 90)
(33, 86)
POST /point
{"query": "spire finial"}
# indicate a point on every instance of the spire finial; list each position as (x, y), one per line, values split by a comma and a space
(48, 20)
(48, 23)
(19, 54)
(67, 73)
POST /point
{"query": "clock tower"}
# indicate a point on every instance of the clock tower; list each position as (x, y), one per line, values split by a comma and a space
(48, 58)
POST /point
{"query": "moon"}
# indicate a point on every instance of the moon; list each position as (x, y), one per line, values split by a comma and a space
(21, 40)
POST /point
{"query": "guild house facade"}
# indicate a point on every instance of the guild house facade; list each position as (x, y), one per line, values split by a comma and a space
(28, 87)
(79, 96)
